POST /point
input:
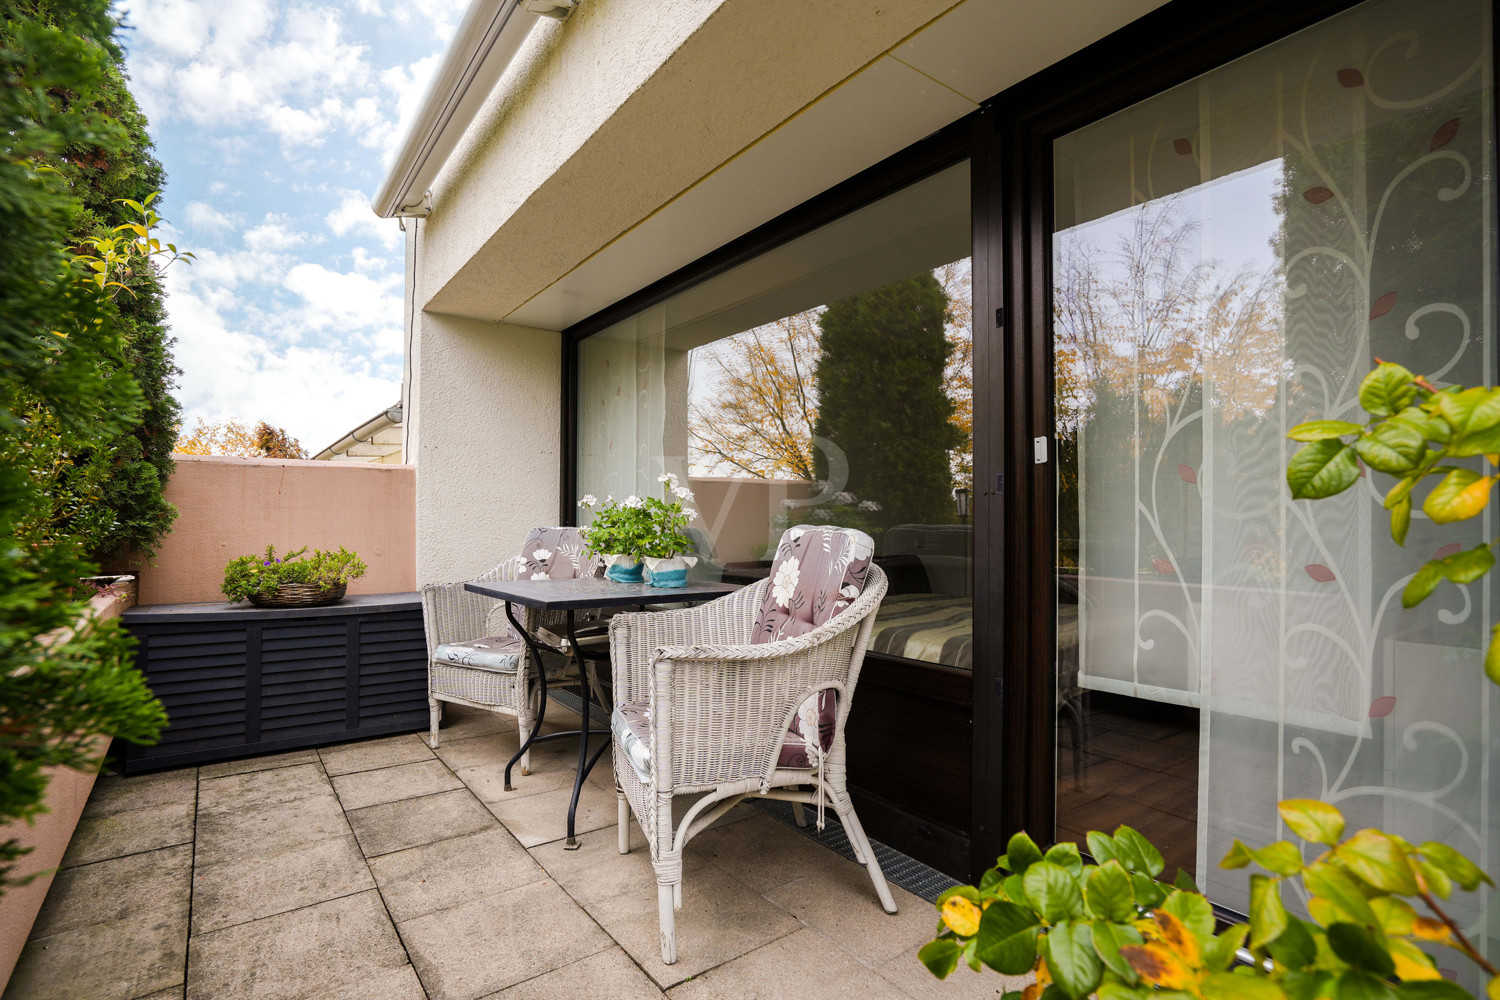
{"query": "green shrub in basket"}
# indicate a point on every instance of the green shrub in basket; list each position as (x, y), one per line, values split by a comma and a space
(265, 574)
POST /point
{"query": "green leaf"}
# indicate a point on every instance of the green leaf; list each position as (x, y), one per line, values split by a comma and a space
(1267, 916)
(1185, 882)
(1307, 985)
(1421, 585)
(1150, 857)
(1196, 913)
(1463, 871)
(1335, 885)
(1239, 856)
(1148, 892)
(966, 891)
(1379, 860)
(1108, 940)
(940, 956)
(1221, 951)
(1361, 949)
(1387, 390)
(1461, 567)
(1321, 469)
(1109, 893)
(1052, 892)
(1356, 985)
(1101, 846)
(1075, 967)
(1492, 656)
(1433, 989)
(1295, 947)
(1461, 494)
(1228, 986)
(1065, 855)
(1111, 990)
(1007, 938)
(1393, 447)
(1314, 821)
(1318, 430)
(990, 881)
(1022, 853)
(1483, 442)
(1282, 857)
(1437, 880)
(1470, 410)
(1401, 521)
(1431, 427)
(1401, 490)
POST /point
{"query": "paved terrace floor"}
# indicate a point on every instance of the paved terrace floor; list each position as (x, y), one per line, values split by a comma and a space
(384, 871)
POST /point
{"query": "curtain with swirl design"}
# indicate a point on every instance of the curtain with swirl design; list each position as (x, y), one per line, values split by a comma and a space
(1230, 258)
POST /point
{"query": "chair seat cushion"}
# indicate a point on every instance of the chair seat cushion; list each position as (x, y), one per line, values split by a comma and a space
(500, 653)
(631, 725)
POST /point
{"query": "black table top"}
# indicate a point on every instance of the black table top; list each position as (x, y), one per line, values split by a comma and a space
(595, 592)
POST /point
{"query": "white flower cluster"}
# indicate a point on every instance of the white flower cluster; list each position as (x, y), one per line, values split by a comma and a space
(868, 505)
(632, 501)
(588, 500)
(845, 497)
(680, 492)
(788, 504)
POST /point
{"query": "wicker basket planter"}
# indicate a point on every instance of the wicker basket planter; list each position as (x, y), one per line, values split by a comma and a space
(300, 595)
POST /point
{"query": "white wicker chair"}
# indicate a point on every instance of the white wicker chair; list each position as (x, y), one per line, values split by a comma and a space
(452, 616)
(719, 711)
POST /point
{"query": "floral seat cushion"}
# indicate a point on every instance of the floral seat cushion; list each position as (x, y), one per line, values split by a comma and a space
(631, 725)
(556, 554)
(498, 653)
(818, 572)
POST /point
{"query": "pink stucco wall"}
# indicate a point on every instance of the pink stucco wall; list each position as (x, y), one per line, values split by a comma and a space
(230, 507)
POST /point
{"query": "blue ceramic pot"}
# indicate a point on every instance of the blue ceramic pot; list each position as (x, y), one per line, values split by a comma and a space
(623, 569)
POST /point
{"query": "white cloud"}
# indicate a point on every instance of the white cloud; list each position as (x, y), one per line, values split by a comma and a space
(204, 216)
(276, 233)
(345, 301)
(354, 215)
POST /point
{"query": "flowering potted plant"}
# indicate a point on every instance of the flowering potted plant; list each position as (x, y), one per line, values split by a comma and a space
(288, 581)
(644, 529)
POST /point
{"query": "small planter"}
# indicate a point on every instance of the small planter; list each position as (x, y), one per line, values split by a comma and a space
(623, 569)
(300, 595)
(669, 572)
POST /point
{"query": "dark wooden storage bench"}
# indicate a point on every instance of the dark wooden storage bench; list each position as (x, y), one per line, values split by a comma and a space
(238, 680)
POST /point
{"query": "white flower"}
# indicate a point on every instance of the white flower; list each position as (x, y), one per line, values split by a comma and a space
(868, 505)
(631, 501)
(520, 561)
(588, 500)
(795, 533)
(682, 493)
(540, 576)
(689, 513)
(845, 497)
(788, 504)
(667, 477)
(785, 584)
(541, 555)
(849, 590)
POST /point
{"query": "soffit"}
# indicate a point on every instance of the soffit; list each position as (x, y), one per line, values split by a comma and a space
(936, 76)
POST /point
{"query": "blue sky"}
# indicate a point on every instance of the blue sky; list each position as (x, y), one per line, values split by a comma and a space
(275, 121)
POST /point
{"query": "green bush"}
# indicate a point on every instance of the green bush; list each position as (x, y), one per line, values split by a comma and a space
(1109, 929)
(264, 574)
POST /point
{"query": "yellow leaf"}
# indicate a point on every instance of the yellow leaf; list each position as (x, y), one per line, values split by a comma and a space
(1158, 966)
(1396, 917)
(1411, 962)
(961, 916)
(1494, 459)
(1429, 929)
(1493, 989)
(1174, 934)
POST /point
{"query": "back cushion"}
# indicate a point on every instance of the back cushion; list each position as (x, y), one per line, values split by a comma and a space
(818, 571)
(555, 554)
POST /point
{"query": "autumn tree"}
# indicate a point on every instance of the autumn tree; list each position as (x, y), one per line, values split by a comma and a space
(237, 439)
(882, 398)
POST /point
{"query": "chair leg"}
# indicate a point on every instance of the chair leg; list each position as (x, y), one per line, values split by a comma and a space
(435, 717)
(799, 815)
(623, 821)
(677, 896)
(845, 809)
(523, 733)
(665, 913)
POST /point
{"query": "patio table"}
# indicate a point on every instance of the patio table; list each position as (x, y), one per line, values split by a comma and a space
(572, 596)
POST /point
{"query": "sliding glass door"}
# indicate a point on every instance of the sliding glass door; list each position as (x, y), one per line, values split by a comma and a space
(1228, 259)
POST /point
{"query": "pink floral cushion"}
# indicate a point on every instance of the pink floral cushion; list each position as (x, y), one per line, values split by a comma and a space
(817, 572)
(556, 554)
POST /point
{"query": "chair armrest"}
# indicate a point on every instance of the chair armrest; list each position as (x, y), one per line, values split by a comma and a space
(452, 614)
(635, 635)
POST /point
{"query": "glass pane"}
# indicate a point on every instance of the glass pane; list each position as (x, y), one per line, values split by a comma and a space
(828, 382)
(1229, 258)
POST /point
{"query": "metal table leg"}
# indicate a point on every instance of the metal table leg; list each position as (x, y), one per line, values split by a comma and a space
(585, 763)
(541, 712)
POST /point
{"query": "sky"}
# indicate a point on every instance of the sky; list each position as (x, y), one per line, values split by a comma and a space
(275, 122)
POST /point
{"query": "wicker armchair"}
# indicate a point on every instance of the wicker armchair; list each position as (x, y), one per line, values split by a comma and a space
(703, 709)
(475, 658)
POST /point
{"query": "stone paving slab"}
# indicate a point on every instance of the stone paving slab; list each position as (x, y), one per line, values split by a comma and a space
(383, 871)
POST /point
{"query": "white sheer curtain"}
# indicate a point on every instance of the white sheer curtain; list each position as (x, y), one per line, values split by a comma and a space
(623, 386)
(1230, 258)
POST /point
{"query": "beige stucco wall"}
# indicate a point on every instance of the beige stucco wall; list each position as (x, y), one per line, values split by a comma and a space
(230, 507)
(484, 427)
(603, 119)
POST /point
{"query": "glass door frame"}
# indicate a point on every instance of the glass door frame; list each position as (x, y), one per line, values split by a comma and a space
(1015, 711)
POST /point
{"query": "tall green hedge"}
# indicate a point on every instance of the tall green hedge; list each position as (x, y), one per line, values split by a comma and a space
(67, 396)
